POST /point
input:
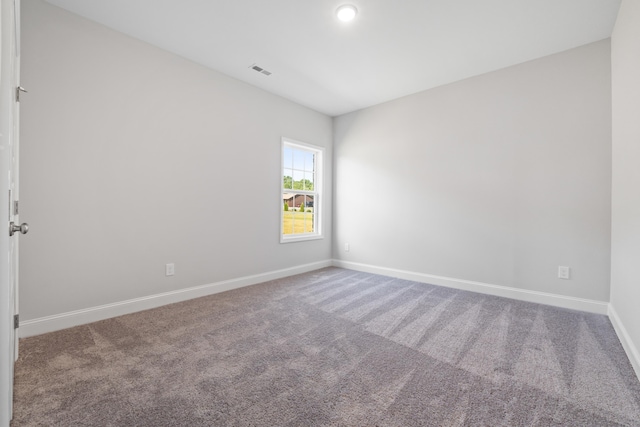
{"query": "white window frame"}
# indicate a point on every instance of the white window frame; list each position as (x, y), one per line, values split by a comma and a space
(317, 191)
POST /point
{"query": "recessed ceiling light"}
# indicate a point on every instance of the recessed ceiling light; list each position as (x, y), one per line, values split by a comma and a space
(346, 12)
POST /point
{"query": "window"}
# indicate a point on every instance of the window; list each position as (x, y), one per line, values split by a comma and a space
(301, 191)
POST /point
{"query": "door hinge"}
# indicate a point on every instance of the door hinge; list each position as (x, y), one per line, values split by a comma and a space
(16, 209)
(18, 90)
(16, 321)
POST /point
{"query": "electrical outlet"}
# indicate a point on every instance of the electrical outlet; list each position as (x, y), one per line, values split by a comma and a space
(170, 269)
(346, 247)
(564, 272)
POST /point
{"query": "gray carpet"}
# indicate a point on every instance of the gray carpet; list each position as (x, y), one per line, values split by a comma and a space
(332, 347)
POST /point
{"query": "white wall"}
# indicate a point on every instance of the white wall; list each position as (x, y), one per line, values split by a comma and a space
(133, 157)
(625, 237)
(498, 179)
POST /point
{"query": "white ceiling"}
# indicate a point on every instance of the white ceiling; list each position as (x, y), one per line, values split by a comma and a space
(393, 47)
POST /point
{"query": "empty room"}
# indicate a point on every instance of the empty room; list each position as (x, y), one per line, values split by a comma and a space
(320, 213)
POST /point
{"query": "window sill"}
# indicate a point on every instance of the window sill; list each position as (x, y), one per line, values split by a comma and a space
(301, 238)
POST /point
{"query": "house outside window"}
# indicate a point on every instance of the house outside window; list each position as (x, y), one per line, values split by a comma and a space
(301, 191)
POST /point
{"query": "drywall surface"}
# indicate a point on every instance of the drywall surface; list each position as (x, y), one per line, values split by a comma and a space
(497, 179)
(133, 158)
(625, 237)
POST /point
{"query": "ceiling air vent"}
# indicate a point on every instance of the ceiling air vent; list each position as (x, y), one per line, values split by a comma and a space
(260, 70)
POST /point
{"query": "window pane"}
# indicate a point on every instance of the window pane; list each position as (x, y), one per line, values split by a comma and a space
(308, 181)
(298, 222)
(307, 214)
(287, 179)
(308, 161)
(287, 201)
(308, 221)
(298, 176)
(288, 214)
(298, 159)
(308, 204)
(287, 157)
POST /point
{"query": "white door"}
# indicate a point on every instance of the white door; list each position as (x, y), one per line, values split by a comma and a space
(9, 152)
(14, 211)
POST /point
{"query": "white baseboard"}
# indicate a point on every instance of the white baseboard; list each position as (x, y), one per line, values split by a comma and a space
(93, 314)
(632, 351)
(599, 307)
